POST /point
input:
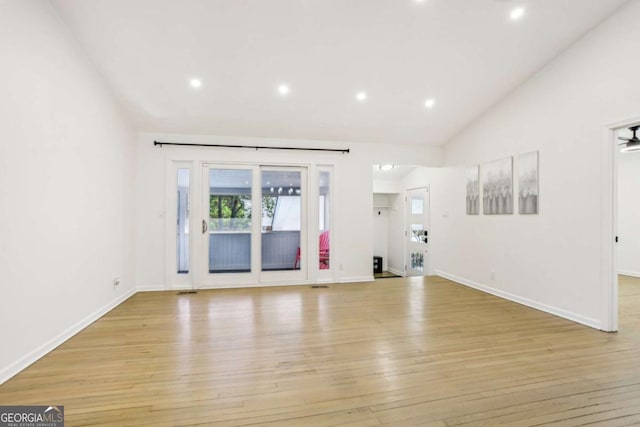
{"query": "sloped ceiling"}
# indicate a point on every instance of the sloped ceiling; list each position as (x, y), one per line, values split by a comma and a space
(464, 54)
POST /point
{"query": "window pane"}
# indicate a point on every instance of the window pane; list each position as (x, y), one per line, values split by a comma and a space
(182, 224)
(287, 214)
(417, 231)
(417, 206)
(321, 211)
(324, 179)
(230, 211)
(417, 261)
(281, 213)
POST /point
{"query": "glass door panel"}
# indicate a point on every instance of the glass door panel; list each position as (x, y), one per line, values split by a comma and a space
(229, 224)
(324, 217)
(281, 223)
(182, 221)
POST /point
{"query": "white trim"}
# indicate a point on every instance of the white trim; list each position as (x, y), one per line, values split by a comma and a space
(629, 273)
(33, 356)
(355, 279)
(172, 287)
(275, 284)
(608, 203)
(588, 321)
(152, 288)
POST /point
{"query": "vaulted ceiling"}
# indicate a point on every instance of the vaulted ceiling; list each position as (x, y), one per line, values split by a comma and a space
(464, 55)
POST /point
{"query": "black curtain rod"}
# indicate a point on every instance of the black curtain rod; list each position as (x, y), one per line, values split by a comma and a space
(257, 147)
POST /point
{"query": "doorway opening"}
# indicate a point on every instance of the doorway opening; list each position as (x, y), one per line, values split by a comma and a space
(612, 159)
(394, 225)
(626, 216)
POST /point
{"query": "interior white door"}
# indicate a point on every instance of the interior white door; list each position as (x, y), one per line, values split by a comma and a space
(417, 231)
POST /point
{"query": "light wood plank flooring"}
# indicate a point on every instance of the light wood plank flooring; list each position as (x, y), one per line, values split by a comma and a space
(396, 352)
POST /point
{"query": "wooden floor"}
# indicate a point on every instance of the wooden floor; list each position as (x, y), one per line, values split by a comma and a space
(384, 275)
(396, 352)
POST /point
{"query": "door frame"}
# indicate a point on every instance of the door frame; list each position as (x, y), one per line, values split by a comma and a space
(256, 277)
(195, 161)
(609, 229)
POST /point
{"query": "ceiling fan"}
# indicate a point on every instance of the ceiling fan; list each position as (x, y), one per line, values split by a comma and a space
(631, 144)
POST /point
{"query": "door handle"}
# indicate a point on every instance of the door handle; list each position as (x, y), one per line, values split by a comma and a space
(204, 226)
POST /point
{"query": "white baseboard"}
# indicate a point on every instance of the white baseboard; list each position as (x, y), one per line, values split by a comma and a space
(151, 288)
(28, 359)
(594, 323)
(629, 273)
(354, 279)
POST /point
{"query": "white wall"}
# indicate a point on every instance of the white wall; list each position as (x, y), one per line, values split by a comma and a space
(66, 169)
(552, 260)
(352, 241)
(629, 214)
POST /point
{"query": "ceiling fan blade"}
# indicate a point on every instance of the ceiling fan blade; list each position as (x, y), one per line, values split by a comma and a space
(623, 138)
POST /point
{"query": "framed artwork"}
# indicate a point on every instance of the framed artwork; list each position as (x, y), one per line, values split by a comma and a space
(528, 183)
(497, 187)
(473, 190)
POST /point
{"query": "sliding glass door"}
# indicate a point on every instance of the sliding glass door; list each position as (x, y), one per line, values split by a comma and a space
(253, 225)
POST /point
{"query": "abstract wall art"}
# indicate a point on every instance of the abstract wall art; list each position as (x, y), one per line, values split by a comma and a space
(528, 183)
(473, 190)
(497, 187)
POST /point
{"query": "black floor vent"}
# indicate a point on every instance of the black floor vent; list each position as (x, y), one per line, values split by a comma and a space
(187, 292)
(319, 286)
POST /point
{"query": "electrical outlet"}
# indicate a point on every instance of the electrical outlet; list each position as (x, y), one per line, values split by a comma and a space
(493, 275)
(116, 281)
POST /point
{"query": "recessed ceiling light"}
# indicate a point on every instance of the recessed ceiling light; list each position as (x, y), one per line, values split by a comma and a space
(386, 168)
(517, 13)
(430, 103)
(195, 83)
(419, 1)
(361, 96)
(283, 90)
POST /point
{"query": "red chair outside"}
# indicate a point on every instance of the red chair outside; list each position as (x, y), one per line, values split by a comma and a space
(323, 251)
